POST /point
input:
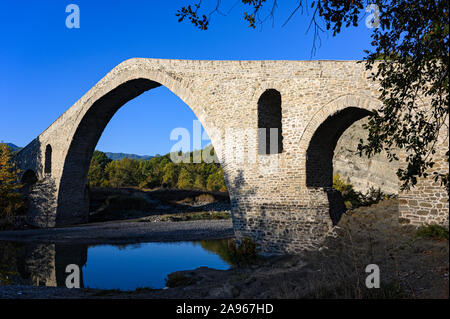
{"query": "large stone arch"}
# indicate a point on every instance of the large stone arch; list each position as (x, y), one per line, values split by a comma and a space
(92, 118)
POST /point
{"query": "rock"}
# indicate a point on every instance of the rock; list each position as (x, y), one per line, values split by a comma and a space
(363, 172)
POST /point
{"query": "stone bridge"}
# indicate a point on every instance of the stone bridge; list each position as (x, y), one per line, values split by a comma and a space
(280, 188)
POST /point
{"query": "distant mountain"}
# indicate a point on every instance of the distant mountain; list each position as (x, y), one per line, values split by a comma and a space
(14, 147)
(119, 156)
(113, 156)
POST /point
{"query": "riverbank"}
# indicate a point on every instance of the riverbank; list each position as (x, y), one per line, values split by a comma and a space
(143, 205)
(411, 266)
(124, 232)
(112, 204)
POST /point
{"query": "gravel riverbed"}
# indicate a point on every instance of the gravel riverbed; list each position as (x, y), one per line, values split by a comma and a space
(122, 232)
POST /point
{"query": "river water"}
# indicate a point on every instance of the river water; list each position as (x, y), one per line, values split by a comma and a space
(124, 267)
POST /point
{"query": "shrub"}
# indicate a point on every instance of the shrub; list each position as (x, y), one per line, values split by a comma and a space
(205, 198)
(354, 199)
(349, 195)
(373, 196)
(244, 253)
(96, 174)
(433, 231)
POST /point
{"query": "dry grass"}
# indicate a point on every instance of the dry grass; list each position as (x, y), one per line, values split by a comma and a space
(410, 266)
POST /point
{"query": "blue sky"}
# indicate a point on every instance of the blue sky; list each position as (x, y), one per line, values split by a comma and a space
(46, 67)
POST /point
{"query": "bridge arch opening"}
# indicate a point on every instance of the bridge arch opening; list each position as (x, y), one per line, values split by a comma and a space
(73, 198)
(270, 138)
(48, 160)
(29, 178)
(320, 152)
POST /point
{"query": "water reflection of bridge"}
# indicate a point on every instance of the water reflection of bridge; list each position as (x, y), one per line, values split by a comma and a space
(40, 264)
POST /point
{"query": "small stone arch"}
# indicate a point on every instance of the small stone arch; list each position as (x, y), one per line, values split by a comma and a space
(29, 178)
(359, 101)
(320, 151)
(270, 123)
(320, 138)
(48, 160)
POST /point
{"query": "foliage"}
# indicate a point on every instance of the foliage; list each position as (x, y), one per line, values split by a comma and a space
(159, 171)
(409, 58)
(199, 182)
(243, 253)
(126, 172)
(10, 198)
(415, 34)
(219, 247)
(240, 254)
(349, 195)
(10, 253)
(216, 182)
(374, 196)
(170, 176)
(185, 180)
(96, 174)
(354, 199)
(433, 231)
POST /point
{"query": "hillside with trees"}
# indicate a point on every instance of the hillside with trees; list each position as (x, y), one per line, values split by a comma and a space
(157, 172)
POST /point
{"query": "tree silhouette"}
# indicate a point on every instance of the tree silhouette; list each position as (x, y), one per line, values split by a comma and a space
(10, 198)
(409, 58)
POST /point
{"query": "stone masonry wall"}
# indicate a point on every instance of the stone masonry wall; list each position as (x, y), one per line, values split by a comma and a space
(362, 172)
(428, 202)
